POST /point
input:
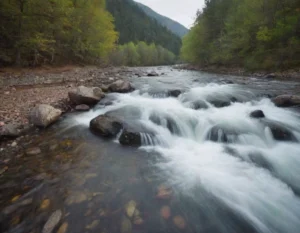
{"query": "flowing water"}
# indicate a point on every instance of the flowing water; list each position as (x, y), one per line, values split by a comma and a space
(225, 171)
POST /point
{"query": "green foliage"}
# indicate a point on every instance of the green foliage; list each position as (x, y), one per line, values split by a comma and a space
(134, 25)
(254, 34)
(141, 54)
(33, 32)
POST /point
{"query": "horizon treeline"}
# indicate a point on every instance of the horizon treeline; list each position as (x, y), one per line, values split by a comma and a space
(35, 32)
(142, 54)
(253, 34)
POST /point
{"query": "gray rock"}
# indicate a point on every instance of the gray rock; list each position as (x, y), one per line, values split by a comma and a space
(257, 114)
(174, 93)
(82, 108)
(43, 115)
(152, 74)
(86, 95)
(121, 86)
(129, 138)
(105, 126)
(270, 76)
(33, 151)
(52, 221)
(9, 130)
(286, 100)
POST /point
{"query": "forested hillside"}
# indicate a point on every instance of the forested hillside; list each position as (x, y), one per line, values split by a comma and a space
(134, 25)
(34, 32)
(172, 25)
(254, 34)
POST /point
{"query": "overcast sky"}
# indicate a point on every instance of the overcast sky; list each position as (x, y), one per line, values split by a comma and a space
(183, 11)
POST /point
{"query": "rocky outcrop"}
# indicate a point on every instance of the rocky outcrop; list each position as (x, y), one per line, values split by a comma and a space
(130, 138)
(286, 100)
(105, 126)
(43, 115)
(86, 95)
(121, 86)
(257, 114)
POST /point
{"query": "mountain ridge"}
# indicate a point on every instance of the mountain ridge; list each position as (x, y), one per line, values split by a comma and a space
(174, 26)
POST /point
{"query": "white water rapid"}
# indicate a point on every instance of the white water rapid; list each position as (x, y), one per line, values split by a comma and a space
(222, 150)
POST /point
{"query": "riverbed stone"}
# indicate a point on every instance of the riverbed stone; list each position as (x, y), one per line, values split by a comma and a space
(86, 95)
(43, 115)
(286, 100)
(130, 138)
(280, 133)
(121, 86)
(9, 130)
(174, 93)
(52, 222)
(257, 114)
(82, 107)
(105, 126)
(152, 74)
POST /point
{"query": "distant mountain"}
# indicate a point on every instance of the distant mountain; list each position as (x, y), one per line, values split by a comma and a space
(134, 25)
(172, 25)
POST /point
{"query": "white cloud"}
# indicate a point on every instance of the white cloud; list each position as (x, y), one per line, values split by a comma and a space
(183, 11)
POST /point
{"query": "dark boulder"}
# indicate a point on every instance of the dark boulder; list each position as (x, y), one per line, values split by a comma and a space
(174, 93)
(220, 103)
(86, 95)
(257, 114)
(286, 100)
(82, 108)
(281, 134)
(105, 126)
(219, 134)
(270, 76)
(152, 74)
(130, 138)
(121, 86)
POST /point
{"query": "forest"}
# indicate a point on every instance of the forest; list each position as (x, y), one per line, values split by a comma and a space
(254, 34)
(58, 32)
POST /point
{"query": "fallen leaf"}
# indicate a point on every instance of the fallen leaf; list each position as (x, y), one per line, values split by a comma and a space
(45, 204)
(15, 198)
(63, 228)
(91, 226)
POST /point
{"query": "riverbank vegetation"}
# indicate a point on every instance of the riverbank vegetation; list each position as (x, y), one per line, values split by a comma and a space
(60, 32)
(141, 54)
(254, 34)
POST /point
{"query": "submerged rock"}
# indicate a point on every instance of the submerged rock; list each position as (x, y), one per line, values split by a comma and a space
(43, 115)
(286, 100)
(257, 114)
(105, 126)
(86, 95)
(220, 103)
(165, 212)
(129, 138)
(281, 134)
(52, 221)
(82, 108)
(121, 86)
(179, 222)
(130, 208)
(174, 93)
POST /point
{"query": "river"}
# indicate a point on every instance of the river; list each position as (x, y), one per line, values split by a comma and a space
(200, 168)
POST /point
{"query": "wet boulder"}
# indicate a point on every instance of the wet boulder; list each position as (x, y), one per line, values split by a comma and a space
(220, 103)
(257, 114)
(86, 95)
(121, 86)
(174, 93)
(280, 133)
(130, 138)
(43, 115)
(286, 100)
(219, 134)
(270, 76)
(105, 126)
(152, 74)
(82, 108)
(199, 104)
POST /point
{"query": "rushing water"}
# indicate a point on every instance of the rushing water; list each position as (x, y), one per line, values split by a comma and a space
(226, 170)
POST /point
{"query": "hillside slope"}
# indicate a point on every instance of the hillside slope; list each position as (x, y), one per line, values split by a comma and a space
(134, 25)
(172, 25)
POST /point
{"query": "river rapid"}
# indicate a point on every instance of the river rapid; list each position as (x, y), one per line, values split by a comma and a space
(219, 169)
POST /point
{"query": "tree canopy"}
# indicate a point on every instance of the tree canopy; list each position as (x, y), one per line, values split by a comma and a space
(34, 32)
(254, 34)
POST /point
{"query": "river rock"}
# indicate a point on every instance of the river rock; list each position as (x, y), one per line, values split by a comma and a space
(82, 108)
(86, 95)
(174, 93)
(220, 134)
(52, 221)
(129, 138)
(257, 114)
(286, 100)
(270, 76)
(43, 115)
(9, 130)
(152, 74)
(281, 134)
(105, 126)
(121, 86)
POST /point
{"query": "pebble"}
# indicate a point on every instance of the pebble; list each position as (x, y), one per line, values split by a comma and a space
(52, 221)
(14, 144)
(33, 151)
